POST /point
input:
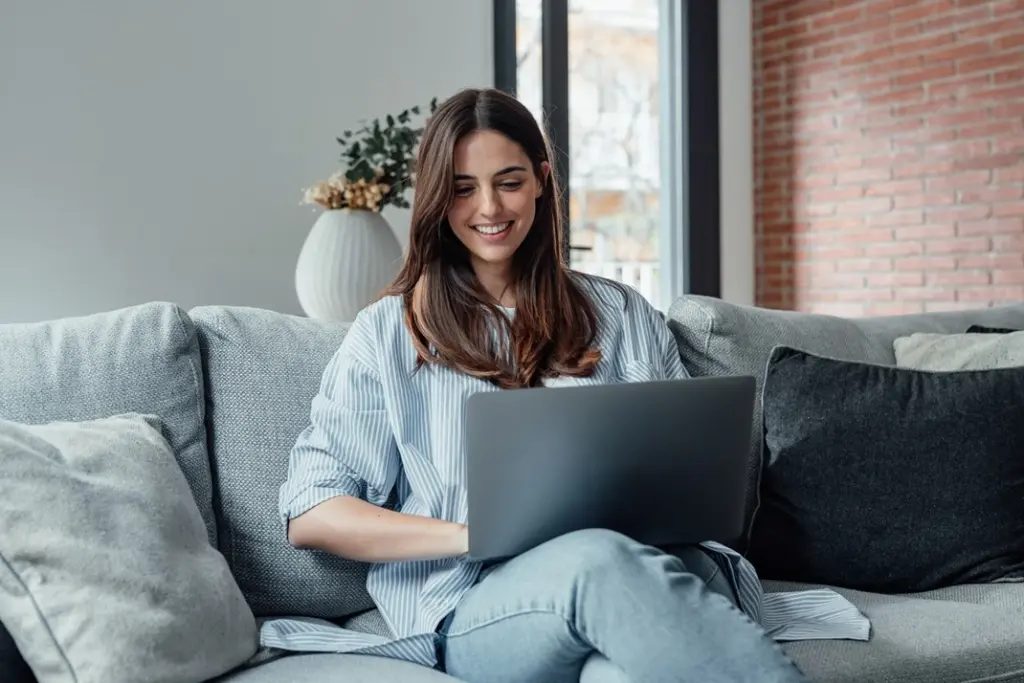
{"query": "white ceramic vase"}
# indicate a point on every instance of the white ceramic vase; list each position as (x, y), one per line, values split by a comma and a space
(349, 256)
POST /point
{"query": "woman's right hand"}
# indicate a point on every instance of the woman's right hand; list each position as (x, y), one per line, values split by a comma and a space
(357, 530)
(464, 539)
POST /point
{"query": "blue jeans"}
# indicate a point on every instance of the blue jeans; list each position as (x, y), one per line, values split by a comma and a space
(595, 606)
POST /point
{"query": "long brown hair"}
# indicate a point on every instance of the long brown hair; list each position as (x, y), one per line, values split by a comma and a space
(451, 318)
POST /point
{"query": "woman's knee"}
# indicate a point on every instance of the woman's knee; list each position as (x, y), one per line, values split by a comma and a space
(594, 542)
(592, 550)
(604, 552)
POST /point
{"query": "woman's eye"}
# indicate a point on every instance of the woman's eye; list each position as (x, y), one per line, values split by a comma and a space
(513, 185)
(463, 191)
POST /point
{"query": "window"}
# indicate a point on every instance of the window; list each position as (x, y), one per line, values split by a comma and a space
(609, 81)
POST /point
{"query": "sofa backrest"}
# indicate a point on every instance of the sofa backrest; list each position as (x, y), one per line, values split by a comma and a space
(262, 371)
(719, 338)
(141, 359)
(234, 386)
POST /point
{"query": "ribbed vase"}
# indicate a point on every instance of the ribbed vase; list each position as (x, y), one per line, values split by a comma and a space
(349, 256)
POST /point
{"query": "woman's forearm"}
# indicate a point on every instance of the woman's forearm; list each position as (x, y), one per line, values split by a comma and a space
(356, 530)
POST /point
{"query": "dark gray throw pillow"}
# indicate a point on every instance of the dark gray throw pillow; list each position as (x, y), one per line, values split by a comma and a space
(889, 479)
(13, 668)
(984, 329)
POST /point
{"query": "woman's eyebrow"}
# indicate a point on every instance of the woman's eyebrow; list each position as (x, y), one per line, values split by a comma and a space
(507, 169)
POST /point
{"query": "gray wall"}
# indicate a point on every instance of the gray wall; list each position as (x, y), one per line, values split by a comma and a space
(157, 150)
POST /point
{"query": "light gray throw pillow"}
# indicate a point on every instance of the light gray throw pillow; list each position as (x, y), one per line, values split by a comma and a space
(957, 352)
(106, 571)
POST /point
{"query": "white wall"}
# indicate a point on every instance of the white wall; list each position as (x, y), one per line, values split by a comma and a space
(736, 124)
(157, 150)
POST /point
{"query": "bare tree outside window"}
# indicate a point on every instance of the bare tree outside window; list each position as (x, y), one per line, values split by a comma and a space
(613, 80)
(529, 47)
(613, 127)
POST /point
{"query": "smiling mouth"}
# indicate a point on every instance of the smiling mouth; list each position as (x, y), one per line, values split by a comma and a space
(493, 229)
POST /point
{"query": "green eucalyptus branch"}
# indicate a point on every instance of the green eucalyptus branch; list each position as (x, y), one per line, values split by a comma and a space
(383, 153)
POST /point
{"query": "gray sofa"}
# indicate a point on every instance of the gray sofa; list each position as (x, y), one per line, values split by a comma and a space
(233, 386)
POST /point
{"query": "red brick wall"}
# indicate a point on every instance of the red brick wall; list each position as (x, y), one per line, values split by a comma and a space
(889, 148)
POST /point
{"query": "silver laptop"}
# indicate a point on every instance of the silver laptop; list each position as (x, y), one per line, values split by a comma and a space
(663, 462)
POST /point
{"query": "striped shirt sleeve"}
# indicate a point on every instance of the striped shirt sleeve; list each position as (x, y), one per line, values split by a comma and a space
(655, 345)
(348, 447)
(668, 350)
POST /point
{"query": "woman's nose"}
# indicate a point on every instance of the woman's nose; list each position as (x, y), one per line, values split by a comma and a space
(490, 203)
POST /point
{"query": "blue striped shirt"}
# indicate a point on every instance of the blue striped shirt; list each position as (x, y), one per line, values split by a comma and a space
(378, 427)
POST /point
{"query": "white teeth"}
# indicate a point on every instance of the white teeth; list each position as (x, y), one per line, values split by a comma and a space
(492, 229)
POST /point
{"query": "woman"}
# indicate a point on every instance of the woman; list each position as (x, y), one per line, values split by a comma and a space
(484, 303)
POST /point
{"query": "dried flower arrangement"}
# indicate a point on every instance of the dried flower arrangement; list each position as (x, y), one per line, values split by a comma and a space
(379, 161)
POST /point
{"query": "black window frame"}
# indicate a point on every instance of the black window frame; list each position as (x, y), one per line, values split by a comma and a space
(700, 182)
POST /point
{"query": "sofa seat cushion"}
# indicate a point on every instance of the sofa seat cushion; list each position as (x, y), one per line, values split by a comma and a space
(332, 668)
(964, 634)
(262, 371)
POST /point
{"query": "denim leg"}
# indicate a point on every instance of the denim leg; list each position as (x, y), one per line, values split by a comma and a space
(595, 593)
(599, 669)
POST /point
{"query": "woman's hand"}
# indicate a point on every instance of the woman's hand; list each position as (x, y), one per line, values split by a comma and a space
(356, 530)
(464, 539)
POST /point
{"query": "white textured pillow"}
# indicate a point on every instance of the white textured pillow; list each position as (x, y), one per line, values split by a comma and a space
(952, 352)
(106, 571)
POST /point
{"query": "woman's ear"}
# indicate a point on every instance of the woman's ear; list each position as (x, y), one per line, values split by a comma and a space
(545, 173)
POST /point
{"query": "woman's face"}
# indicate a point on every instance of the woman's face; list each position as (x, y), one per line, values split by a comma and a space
(496, 196)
